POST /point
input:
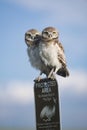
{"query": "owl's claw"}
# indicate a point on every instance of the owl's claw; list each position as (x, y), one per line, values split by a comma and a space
(38, 78)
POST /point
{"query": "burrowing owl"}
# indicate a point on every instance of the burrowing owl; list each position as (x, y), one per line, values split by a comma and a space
(52, 52)
(32, 39)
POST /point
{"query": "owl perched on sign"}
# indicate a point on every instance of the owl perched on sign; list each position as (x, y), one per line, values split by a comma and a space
(52, 52)
(32, 39)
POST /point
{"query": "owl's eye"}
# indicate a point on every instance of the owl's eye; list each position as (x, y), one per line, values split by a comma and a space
(37, 35)
(54, 32)
(46, 33)
(29, 35)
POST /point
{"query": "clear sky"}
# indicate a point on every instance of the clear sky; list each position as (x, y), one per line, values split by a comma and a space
(16, 73)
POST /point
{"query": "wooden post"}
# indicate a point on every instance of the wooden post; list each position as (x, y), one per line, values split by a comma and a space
(47, 105)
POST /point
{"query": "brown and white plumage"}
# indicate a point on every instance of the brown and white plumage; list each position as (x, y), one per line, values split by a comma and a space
(32, 39)
(52, 52)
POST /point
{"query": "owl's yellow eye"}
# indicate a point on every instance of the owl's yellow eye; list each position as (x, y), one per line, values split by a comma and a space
(37, 35)
(54, 32)
(29, 35)
(46, 33)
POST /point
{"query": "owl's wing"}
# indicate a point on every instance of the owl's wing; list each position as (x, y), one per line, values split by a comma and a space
(61, 55)
(63, 71)
(60, 45)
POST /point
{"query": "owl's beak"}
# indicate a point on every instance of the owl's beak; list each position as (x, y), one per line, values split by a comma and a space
(50, 35)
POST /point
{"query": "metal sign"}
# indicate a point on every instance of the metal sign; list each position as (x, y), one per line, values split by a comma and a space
(47, 105)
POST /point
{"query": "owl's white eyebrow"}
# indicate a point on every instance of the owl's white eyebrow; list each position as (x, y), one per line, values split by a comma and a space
(28, 34)
(46, 32)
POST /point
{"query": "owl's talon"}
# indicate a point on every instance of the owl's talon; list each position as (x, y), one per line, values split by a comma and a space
(38, 79)
(52, 77)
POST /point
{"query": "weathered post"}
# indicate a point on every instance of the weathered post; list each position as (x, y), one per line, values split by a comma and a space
(47, 104)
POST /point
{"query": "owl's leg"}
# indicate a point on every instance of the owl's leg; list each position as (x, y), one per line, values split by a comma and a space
(39, 77)
(56, 69)
(51, 73)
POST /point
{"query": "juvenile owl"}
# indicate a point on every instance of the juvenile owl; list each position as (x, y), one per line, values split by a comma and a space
(52, 52)
(32, 39)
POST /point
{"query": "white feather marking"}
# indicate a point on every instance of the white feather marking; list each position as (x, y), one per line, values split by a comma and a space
(34, 57)
(49, 55)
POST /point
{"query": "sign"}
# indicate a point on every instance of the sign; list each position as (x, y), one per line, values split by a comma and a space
(47, 104)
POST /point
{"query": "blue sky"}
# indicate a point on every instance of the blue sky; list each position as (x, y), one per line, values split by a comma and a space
(16, 73)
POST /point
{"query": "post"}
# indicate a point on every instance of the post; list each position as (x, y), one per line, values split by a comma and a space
(47, 105)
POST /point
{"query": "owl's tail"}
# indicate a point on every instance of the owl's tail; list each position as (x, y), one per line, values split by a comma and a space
(63, 72)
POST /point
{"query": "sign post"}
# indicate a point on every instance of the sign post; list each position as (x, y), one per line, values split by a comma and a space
(47, 104)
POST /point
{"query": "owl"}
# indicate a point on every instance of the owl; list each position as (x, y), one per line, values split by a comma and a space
(32, 39)
(52, 52)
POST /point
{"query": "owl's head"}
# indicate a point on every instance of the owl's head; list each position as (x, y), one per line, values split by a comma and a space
(31, 36)
(50, 33)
